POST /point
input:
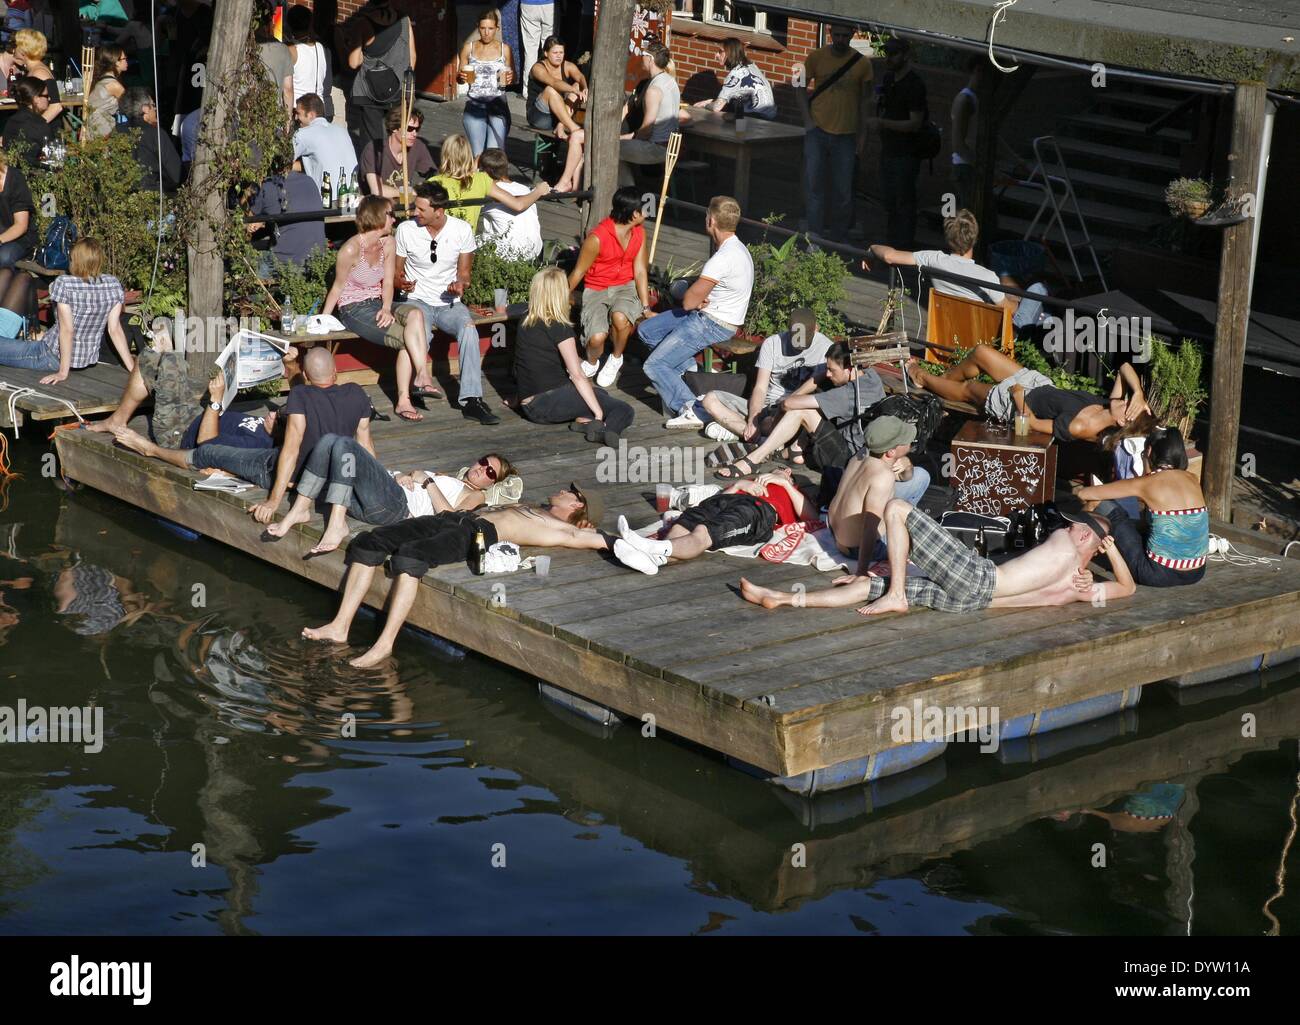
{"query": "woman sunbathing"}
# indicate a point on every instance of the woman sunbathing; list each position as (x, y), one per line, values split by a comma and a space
(1069, 415)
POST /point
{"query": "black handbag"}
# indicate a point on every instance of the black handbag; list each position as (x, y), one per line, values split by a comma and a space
(965, 527)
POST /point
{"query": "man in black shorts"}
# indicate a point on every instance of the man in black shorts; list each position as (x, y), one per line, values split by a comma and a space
(747, 513)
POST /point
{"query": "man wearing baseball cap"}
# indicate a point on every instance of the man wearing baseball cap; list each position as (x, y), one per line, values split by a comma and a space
(881, 471)
(955, 579)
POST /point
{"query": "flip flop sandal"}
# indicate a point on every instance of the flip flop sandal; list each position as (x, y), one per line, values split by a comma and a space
(410, 416)
(426, 393)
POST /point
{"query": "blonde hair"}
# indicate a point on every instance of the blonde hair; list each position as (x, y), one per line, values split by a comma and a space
(373, 212)
(30, 43)
(548, 297)
(961, 231)
(457, 159)
(725, 212)
(86, 260)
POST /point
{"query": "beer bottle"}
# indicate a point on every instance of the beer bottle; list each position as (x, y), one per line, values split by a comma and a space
(981, 543)
(480, 552)
(326, 193)
(1017, 529)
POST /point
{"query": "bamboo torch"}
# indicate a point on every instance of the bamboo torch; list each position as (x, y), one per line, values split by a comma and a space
(674, 150)
(87, 80)
(408, 103)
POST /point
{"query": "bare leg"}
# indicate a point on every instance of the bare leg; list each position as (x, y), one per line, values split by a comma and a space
(336, 530)
(136, 391)
(994, 362)
(724, 414)
(839, 596)
(899, 543)
(572, 175)
(622, 331)
(400, 600)
(137, 442)
(299, 512)
(416, 338)
(785, 430)
(354, 591)
(688, 545)
(957, 385)
(560, 109)
(596, 347)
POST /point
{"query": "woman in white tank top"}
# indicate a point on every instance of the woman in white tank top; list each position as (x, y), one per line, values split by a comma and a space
(486, 63)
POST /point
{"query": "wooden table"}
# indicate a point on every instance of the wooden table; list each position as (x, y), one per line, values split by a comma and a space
(995, 471)
(67, 99)
(708, 133)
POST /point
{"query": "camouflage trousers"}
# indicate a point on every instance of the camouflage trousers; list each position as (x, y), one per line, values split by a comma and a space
(176, 399)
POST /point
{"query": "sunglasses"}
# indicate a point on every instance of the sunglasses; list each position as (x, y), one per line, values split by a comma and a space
(412, 128)
(433, 250)
(488, 469)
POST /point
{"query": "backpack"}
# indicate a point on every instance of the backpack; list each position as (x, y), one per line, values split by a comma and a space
(56, 253)
(921, 409)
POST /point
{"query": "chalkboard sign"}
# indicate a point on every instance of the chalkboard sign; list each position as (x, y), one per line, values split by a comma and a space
(995, 471)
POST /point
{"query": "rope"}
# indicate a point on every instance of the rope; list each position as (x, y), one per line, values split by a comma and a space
(999, 15)
(1281, 868)
(20, 391)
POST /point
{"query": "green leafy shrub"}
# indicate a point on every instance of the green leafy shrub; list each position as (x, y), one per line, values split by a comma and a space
(1175, 394)
(1028, 355)
(786, 278)
(306, 286)
(492, 271)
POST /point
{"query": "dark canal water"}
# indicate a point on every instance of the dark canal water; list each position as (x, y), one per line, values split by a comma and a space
(222, 729)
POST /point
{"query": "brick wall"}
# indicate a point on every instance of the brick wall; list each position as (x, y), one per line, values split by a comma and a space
(694, 46)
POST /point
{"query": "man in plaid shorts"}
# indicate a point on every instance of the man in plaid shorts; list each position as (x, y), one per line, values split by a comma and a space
(955, 579)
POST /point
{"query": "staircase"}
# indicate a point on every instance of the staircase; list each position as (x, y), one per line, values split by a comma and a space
(1119, 160)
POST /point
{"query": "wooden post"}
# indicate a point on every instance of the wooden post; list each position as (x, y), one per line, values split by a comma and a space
(605, 99)
(231, 21)
(1235, 271)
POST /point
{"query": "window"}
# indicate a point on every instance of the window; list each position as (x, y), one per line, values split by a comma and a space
(731, 12)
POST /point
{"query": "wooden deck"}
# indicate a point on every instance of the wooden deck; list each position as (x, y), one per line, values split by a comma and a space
(93, 390)
(787, 691)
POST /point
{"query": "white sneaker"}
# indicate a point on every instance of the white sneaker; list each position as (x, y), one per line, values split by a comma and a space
(635, 558)
(718, 432)
(589, 369)
(686, 420)
(624, 529)
(653, 547)
(609, 372)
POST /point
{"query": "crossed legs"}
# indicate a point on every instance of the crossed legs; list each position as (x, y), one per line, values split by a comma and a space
(960, 382)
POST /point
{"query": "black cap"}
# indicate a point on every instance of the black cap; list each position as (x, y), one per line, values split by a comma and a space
(1094, 523)
(593, 500)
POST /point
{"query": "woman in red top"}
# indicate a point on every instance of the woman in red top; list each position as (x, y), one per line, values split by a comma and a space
(616, 294)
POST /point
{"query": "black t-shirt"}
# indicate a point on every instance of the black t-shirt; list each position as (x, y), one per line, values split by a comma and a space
(539, 367)
(899, 98)
(14, 198)
(1061, 407)
(334, 410)
(31, 130)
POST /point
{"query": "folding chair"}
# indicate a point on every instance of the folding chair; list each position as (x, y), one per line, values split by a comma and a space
(954, 322)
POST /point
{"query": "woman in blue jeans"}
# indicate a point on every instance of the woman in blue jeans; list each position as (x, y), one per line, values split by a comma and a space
(355, 483)
(488, 65)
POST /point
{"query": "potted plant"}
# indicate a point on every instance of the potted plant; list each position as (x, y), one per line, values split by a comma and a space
(1189, 197)
(786, 278)
(492, 270)
(1175, 393)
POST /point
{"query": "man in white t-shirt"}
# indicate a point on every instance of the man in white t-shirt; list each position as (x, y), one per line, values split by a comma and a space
(516, 236)
(319, 146)
(713, 310)
(436, 254)
(960, 233)
(785, 362)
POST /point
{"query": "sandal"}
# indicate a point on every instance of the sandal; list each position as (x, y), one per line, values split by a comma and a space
(733, 472)
(426, 392)
(409, 415)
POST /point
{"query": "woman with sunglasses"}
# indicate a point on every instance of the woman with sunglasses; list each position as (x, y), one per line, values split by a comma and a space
(101, 104)
(354, 483)
(381, 161)
(362, 298)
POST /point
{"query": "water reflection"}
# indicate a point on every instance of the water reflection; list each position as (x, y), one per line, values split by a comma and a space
(331, 801)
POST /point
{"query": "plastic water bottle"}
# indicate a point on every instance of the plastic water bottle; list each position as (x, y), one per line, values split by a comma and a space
(286, 317)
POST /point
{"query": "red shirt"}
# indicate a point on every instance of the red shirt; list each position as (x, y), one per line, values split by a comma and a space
(615, 264)
(779, 499)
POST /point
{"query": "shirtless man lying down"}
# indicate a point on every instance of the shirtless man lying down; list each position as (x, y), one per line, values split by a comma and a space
(417, 545)
(956, 579)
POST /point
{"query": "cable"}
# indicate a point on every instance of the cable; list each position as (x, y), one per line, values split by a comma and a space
(999, 15)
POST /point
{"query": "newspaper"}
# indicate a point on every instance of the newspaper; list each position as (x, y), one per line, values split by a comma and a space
(249, 359)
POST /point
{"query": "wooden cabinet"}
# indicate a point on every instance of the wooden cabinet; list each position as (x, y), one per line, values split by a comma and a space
(995, 471)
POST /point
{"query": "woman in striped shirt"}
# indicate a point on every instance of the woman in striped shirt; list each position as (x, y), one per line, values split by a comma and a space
(1168, 549)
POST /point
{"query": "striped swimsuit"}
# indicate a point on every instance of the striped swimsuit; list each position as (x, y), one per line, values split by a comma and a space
(1179, 538)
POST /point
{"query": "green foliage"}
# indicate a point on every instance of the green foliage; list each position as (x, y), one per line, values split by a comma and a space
(1029, 356)
(1175, 393)
(98, 187)
(306, 286)
(1182, 193)
(493, 271)
(786, 278)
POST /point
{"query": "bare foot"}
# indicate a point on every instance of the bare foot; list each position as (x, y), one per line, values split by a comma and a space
(887, 602)
(133, 440)
(329, 632)
(915, 373)
(371, 658)
(329, 541)
(291, 519)
(108, 425)
(565, 185)
(764, 596)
